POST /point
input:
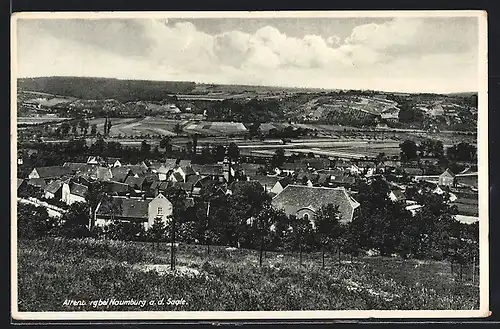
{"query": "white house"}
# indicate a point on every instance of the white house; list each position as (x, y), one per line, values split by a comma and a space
(73, 192)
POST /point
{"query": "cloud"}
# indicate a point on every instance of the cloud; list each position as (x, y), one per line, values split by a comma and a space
(412, 49)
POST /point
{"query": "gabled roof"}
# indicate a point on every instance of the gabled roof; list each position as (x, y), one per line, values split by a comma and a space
(118, 187)
(125, 208)
(170, 163)
(136, 169)
(54, 186)
(342, 179)
(184, 163)
(53, 171)
(285, 181)
(266, 181)
(135, 182)
(296, 197)
(448, 173)
(178, 177)
(208, 170)
(37, 182)
(20, 182)
(119, 174)
(78, 189)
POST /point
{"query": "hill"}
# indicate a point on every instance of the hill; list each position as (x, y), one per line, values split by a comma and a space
(105, 88)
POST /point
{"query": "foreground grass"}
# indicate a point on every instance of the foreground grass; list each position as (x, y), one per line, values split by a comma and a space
(53, 270)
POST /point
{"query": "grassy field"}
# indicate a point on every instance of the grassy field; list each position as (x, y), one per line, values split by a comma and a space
(53, 270)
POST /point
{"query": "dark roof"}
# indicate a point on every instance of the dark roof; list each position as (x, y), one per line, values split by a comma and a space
(54, 186)
(77, 166)
(53, 171)
(184, 163)
(178, 177)
(188, 170)
(118, 187)
(285, 181)
(37, 182)
(78, 189)
(400, 195)
(170, 163)
(20, 182)
(119, 174)
(296, 197)
(291, 166)
(342, 179)
(135, 182)
(136, 169)
(448, 172)
(413, 171)
(208, 170)
(331, 172)
(192, 178)
(266, 181)
(316, 163)
(127, 208)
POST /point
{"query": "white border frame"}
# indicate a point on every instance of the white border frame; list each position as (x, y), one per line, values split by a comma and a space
(264, 315)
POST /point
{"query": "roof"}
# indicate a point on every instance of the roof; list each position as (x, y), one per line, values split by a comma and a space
(266, 181)
(127, 208)
(170, 163)
(135, 182)
(208, 170)
(118, 187)
(399, 194)
(54, 186)
(178, 177)
(413, 171)
(331, 172)
(53, 171)
(119, 174)
(78, 189)
(285, 181)
(342, 179)
(188, 170)
(296, 197)
(184, 163)
(37, 182)
(77, 166)
(290, 166)
(136, 169)
(20, 181)
(448, 173)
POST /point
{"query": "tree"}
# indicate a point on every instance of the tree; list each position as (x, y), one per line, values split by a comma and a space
(462, 152)
(75, 223)
(84, 126)
(278, 158)
(254, 129)
(408, 150)
(108, 127)
(206, 155)
(93, 129)
(178, 128)
(328, 229)
(265, 226)
(165, 143)
(233, 151)
(33, 222)
(145, 148)
(218, 152)
(301, 234)
(157, 231)
(65, 128)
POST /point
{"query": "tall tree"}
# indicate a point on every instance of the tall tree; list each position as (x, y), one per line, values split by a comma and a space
(93, 129)
(328, 229)
(408, 150)
(233, 151)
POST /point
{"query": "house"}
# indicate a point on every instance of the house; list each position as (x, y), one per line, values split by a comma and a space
(447, 178)
(113, 162)
(21, 184)
(342, 180)
(136, 183)
(281, 185)
(120, 174)
(412, 171)
(397, 195)
(290, 168)
(141, 210)
(176, 177)
(73, 192)
(37, 182)
(50, 172)
(267, 182)
(96, 160)
(414, 208)
(214, 171)
(304, 201)
(390, 114)
(312, 163)
(163, 172)
(467, 179)
(78, 166)
(54, 190)
(118, 188)
(348, 167)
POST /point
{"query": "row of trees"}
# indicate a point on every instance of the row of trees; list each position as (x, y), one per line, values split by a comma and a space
(247, 219)
(434, 148)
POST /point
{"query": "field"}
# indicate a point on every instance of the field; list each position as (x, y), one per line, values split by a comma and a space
(53, 270)
(40, 119)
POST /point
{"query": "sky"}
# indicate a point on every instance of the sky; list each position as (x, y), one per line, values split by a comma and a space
(409, 54)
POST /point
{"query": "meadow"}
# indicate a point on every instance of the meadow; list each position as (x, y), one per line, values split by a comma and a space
(52, 270)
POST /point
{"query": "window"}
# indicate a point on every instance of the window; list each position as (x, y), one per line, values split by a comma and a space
(306, 216)
(160, 211)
